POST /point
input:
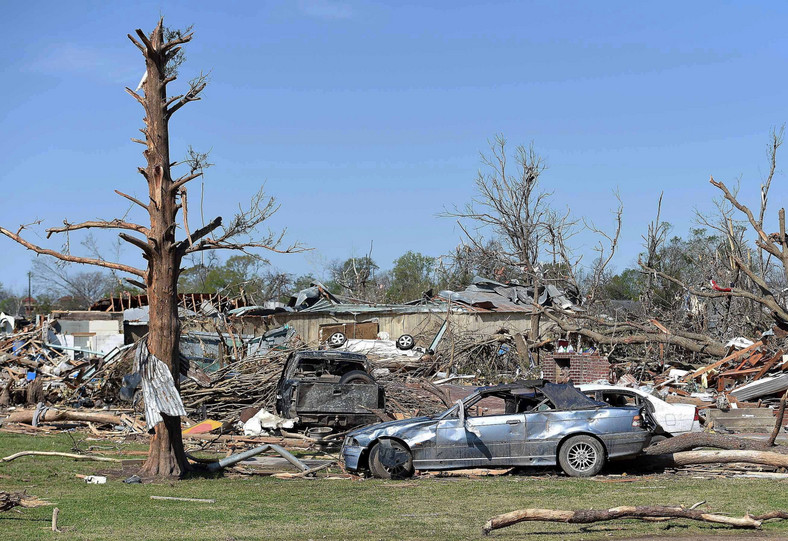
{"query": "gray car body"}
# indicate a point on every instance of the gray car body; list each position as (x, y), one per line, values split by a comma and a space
(531, 438)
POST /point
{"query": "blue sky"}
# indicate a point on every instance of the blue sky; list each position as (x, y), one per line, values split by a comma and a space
(365, 119)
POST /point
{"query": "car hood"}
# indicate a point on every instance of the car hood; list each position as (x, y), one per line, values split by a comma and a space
(401, 428)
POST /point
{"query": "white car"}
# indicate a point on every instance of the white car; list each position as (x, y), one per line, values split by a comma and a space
(673, 419)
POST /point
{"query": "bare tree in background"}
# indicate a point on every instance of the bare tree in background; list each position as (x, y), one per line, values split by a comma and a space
(84, 287)
(356, 278)
(757, 277)
(528, 236)
(161, 248)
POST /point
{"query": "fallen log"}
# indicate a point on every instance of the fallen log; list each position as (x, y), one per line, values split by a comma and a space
(9, 458)
(689, 458)
(765, 458)
(586, 516)
(694, 440)
(55, 415)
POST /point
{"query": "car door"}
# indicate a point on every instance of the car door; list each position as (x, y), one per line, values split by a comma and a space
(480, 441)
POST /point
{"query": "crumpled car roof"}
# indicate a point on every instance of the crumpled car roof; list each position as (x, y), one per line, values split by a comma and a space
(564, 396)
(567, 396)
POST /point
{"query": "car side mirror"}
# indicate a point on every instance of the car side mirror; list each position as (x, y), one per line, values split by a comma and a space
(463, 420)
(461, 412)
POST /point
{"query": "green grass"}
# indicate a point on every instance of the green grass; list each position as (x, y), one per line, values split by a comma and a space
(268, 508)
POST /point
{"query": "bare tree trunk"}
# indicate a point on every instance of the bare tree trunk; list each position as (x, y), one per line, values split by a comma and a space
(167, 457)
(157, 242)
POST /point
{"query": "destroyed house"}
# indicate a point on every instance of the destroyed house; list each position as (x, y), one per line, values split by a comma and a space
(484, 307)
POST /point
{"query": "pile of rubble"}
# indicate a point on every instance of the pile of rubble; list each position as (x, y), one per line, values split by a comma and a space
(752, 375)
(35, 367)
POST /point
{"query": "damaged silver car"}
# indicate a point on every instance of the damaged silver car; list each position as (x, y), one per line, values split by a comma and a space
(533, 423)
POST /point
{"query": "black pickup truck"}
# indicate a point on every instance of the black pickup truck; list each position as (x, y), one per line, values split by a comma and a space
(328, 388)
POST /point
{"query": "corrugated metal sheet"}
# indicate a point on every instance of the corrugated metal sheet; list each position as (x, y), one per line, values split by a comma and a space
(158, 387)
(762, 387)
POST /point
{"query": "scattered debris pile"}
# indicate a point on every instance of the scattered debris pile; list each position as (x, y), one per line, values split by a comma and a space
(36, 367)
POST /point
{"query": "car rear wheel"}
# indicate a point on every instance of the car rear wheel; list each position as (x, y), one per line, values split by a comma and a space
(337, 339)
(581, 456)
(356, 376)
(658, 438)
(390, 459)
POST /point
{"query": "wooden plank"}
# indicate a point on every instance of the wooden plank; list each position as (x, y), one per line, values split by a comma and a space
(738, 373)
(729, 358)
(752, 360)
(768, 365)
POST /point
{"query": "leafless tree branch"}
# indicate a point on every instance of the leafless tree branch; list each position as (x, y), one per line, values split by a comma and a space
(71, 258)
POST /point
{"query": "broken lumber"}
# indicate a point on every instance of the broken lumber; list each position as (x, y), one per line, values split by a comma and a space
(768, 365)
(586, 516)
(732, 357)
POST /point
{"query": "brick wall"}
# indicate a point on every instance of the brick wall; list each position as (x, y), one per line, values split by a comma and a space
(580, 368)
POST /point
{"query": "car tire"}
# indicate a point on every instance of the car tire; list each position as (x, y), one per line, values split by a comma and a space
(356, 376)
(656, 439)
(380, 470)
(581, 456)
(337, 339)
(405, 342)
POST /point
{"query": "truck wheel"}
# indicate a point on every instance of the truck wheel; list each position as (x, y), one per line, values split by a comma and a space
(581, 456)
(389, 459)
(356, 376)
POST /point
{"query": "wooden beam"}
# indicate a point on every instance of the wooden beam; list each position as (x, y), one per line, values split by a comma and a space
(768, 365)
(729, 358)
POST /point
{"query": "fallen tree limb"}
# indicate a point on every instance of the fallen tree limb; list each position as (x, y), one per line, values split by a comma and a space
(54, 416)
(173, 498)
(9, 458)
(695, 343)
(585, 516)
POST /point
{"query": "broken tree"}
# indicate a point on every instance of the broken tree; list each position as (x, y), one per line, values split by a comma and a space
(160, 247)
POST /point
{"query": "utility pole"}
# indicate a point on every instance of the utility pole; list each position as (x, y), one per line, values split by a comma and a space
(29, 300)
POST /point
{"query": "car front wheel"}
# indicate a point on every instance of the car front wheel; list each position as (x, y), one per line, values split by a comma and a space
(389, 459)
(581, 456)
